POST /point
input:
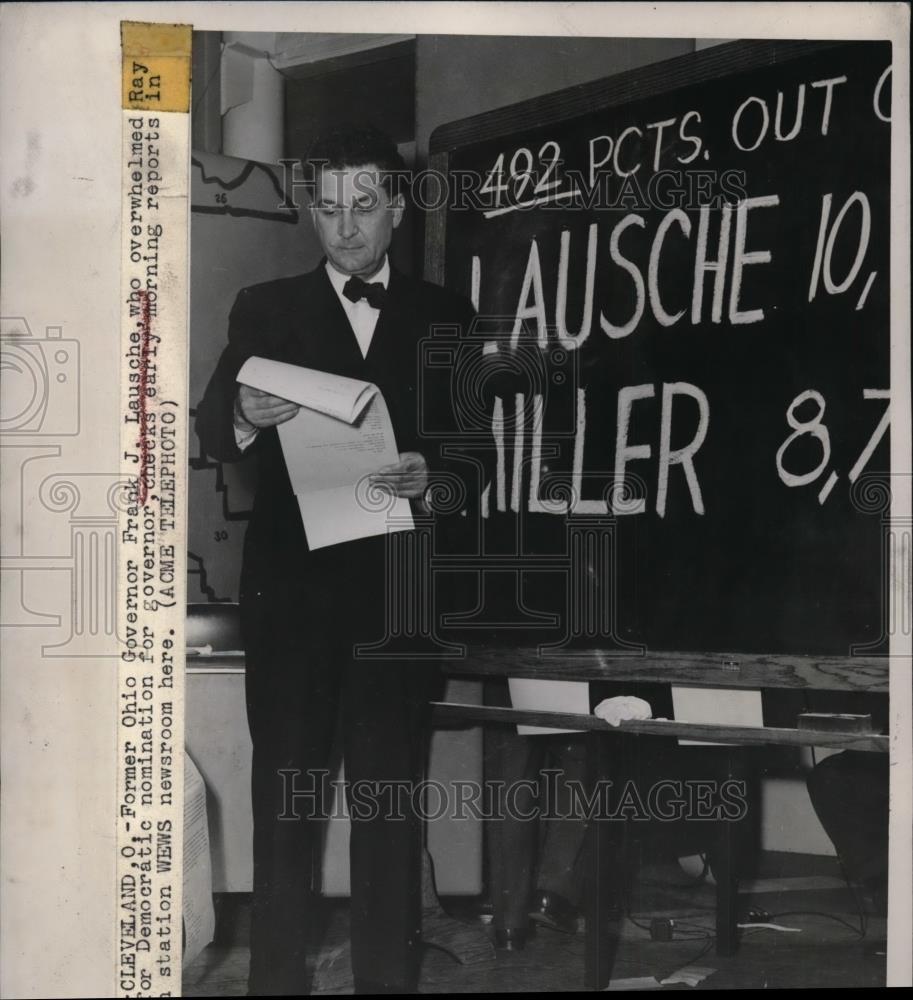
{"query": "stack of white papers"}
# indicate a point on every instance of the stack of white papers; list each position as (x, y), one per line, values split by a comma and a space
(340, 436)
(717, 706)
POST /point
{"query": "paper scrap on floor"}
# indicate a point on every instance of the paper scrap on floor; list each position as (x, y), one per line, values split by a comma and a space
(690, 975)
(341, 435)
(717, 706)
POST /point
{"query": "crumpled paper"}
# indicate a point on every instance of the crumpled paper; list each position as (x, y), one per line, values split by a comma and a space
(690, 975)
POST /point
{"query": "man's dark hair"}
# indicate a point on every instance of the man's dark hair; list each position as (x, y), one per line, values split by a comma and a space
(358, 146)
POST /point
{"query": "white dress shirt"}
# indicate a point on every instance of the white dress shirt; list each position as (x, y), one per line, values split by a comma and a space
(362, 318)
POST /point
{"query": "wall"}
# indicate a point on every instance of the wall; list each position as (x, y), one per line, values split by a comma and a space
(206, 120)
(460, 75)
(238, 237)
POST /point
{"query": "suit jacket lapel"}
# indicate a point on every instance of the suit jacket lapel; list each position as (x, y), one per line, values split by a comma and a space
(389, 320)
(321, 336)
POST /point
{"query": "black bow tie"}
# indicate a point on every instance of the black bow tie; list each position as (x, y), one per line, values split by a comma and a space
(355, 289)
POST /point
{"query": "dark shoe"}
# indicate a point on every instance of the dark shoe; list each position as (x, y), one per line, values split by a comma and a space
(554, 911)
(511, 938)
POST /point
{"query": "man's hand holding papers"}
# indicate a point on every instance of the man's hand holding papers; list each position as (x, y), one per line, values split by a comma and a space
(256, 409)
(406, 478)
(340, 451)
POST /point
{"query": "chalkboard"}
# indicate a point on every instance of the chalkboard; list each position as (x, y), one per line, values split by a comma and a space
(682, 274)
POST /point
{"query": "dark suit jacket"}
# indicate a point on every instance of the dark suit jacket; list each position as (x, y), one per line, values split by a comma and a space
(301, 321)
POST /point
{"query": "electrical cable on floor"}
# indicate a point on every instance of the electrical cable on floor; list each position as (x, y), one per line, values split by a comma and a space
(697, 927)
(857, 899)
(643, 927)
(858, 931)
(700, 933)
(700, 954)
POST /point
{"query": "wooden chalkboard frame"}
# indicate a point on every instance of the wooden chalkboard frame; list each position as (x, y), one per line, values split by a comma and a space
(609, 92)
(857, 674)
(445, 712)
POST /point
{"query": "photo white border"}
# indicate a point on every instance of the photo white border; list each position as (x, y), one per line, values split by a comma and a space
(60, 137)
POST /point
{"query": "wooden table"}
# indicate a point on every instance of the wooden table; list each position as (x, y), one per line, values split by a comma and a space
(724, 670)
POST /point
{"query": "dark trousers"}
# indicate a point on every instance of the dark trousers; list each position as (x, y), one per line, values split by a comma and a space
(665, 801)
(300, 672)
(529, 854)
(673, 800)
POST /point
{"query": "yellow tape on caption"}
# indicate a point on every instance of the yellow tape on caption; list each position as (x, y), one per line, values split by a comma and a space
(155, 66)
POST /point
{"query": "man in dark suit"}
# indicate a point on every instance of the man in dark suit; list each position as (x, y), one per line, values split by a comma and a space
(303, 611)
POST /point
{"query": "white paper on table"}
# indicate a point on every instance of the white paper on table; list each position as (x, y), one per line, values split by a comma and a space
(548, 696)
(340, 436)
(198, 911)
(717, 706)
